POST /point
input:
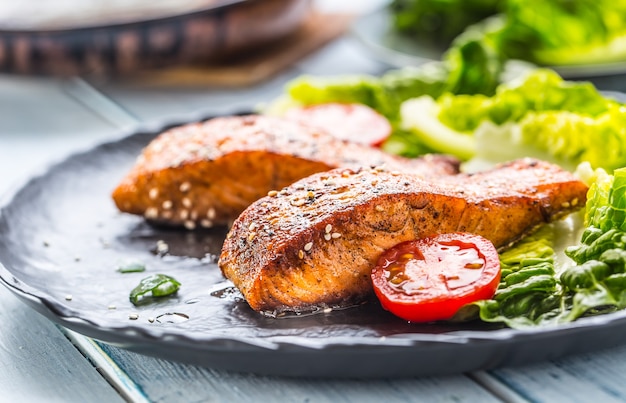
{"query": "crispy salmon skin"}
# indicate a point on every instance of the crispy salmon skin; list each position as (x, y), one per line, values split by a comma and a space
(314, 243)
(206, 174)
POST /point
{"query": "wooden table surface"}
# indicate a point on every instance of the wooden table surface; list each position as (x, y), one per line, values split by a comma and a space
(44, 119)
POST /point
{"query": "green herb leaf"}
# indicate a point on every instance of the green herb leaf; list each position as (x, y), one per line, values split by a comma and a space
(157, 285)
(131, 266)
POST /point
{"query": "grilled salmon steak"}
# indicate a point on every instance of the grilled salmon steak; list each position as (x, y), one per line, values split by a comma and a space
(206, 174)
(314, 243)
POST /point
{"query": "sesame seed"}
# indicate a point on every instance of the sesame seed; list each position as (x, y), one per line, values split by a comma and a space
(183, 214)
(151, 212)
(345, 174)
(379, 208)
(565, 204)
(252, 226)
(162, 247)
(111, 307)
(375, 182)
(184, 187)
(68, 297)
(153, 193)
(328, 228)
(272, 193)
(151, 320)
(251, 236)
(575, 201)
(298, 202)
(395, 173)
(167, 204)
(283, 192)
(328, 310)
(310, 195)
(133, 316)
(336, 235)
(210, 213)
(206, 223)
(327, 237)
(301, 254)
(193, 215)
(186, 202)
(190, 224)
(308, 246)
(264, 204)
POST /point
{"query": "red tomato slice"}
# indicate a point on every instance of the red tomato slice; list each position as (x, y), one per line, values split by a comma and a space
(352, 122)
(431, 278)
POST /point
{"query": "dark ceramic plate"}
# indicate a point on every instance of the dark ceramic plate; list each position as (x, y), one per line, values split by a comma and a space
(62, 240)
(375, 32)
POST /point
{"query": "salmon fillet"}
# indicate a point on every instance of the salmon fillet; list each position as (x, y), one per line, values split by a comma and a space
(313, 244)
(206, 174)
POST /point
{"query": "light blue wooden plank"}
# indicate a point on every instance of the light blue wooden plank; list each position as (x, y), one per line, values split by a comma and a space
(597, 376)
(39, 123)
(37, 107)
(38, 364)
(167, 381)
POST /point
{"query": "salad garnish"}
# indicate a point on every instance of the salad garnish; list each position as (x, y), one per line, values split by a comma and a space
(156, 285)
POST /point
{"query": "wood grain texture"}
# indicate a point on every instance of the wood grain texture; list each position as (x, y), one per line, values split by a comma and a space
(166, 381)
(39, 123)
(37, 363)
(597, 376)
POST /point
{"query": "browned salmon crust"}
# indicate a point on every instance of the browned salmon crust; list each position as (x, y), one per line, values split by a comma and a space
(314, 243)
(206, 174)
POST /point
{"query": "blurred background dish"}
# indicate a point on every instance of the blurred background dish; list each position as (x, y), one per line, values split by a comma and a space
(377, 32)
(69, 37)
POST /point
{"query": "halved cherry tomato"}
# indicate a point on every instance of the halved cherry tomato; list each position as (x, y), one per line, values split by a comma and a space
(353, 122)
(431, 278)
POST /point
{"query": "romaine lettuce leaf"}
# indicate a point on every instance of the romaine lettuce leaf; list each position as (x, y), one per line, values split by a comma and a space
(539, 116)
(439, 21)
(419, 116)
(562, 32)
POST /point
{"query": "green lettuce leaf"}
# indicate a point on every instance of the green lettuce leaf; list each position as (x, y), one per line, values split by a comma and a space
(539, 115)
(564, 32)
(538, 288)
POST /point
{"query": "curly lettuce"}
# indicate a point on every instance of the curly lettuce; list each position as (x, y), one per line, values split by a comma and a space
(544, 282)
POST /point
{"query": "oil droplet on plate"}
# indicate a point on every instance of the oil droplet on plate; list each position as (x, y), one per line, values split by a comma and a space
(228, 293)
(172, 318)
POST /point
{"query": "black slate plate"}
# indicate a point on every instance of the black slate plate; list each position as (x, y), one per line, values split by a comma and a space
(61, 236)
